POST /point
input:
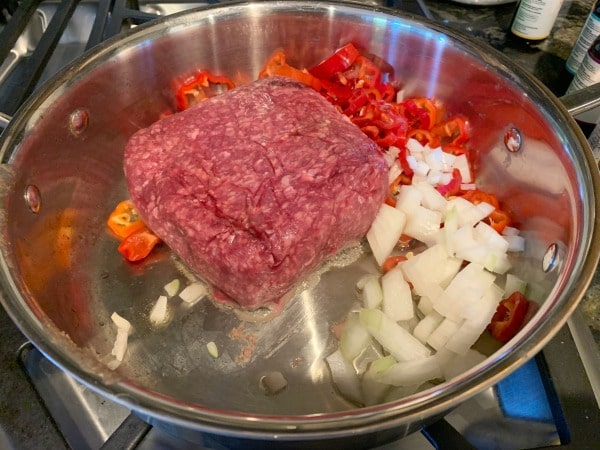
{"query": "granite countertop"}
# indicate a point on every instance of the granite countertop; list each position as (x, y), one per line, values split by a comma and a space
(545, 60)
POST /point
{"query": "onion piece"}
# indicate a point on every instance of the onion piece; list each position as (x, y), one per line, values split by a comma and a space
(409, 373)
(430, 271)
(120, 322)
(120, 346)
(513, 284)
(158, 315)
(212, 349)
(372, 293)
(432, 199)
(385, 231)
(194, 292)
(467, 287)
(344, 377)
(444, 331)
(172, 287)
(397, 297)
(402, 345)
(427, 325)
(355, 337)
(423, 224)
(374, 391)
(462, 164)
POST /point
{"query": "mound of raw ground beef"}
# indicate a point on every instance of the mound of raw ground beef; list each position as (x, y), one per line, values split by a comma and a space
(254, 188)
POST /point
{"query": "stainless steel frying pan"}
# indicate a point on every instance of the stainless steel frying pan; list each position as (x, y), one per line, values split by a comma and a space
(61, 176)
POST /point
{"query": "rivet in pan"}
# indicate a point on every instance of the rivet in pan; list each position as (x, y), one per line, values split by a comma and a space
(551, 258)
(78, 121)
(513, 140)
(33, 198)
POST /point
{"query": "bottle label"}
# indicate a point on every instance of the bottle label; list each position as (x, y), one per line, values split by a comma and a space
(588, 74)
(589, 32)
(535, 18)
(594, 141)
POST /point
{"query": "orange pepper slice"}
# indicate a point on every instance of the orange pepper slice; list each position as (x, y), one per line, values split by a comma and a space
(125, 220)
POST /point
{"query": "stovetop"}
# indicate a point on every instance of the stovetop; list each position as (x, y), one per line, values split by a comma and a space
(549, 402)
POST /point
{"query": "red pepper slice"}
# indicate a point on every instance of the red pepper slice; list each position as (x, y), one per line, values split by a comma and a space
(138, 245)
(199, 87)
(455, 130)
(391, 262)
(509, 317)
(498, 219)
(340, 61)
(453, 186)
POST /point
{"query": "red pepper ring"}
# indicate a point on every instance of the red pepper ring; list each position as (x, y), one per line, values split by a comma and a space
(339, 61)
(509, 317)
(199, 87)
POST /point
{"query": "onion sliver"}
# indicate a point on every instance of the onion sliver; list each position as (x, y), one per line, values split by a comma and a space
(355, 337)
(193, 292)
(373, 390)
(158, 314)
(344, 376)
(397, 297)
(385, 231)
(396, 340)
(120, 346)
(120, 322)
(409, 373)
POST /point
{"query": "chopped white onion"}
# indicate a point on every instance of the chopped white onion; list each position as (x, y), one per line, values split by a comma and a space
(397, 297)
(444, 331)
(344, 377)
(409, 373)
(355, 337)
(402, 345)
(158, 315)
(120, 345)
(373, 390)
(172, 287)
(193, 292)
(427, 325)
(212, 349)
(462, 164)
(513, 284)
(372, 293)
(120, 322)
(385, 231)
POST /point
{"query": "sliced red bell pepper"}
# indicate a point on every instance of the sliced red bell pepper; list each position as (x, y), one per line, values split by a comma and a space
(455, 130)
(425, 137)
(339, 61)
(199, 87)
(138, 245)
(453, 187)
(509, 317)
(498, 219)
(391, 262)
(420, 114)
(125, 220)
(476, 196)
